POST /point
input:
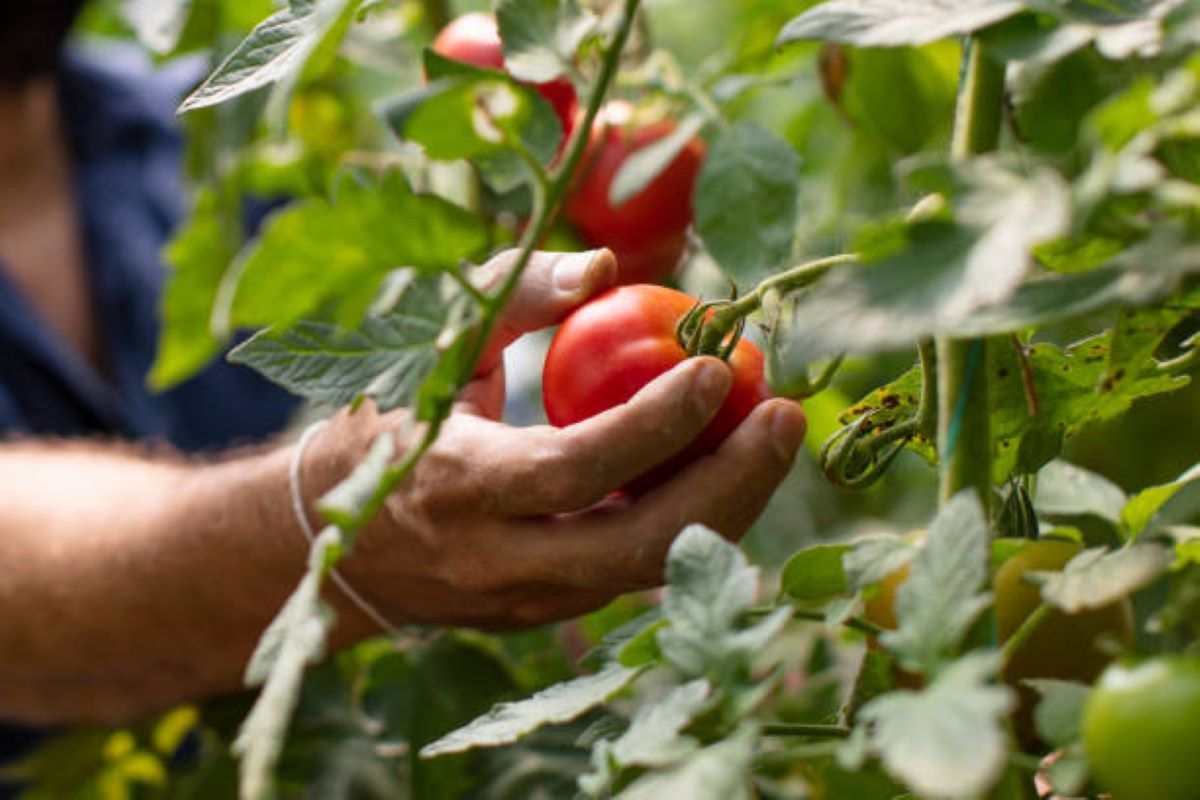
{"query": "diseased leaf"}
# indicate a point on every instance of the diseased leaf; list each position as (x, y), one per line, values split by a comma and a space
(509, 722)
(949, 739)
(891, 23)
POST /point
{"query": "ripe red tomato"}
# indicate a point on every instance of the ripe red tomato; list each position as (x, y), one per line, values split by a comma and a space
(647, 231)
(474, 39)
(615, 344)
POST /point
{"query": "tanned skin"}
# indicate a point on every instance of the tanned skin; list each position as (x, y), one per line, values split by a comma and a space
(132, 577)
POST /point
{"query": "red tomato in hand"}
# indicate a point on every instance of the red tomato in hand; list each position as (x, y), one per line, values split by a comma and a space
(615, 344)
(647, 231)
(474, 39)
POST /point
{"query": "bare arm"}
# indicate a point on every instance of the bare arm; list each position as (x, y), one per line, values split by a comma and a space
(127, 576)
(129, 582)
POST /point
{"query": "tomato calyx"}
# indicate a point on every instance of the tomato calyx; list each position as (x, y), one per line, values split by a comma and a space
(700, 333)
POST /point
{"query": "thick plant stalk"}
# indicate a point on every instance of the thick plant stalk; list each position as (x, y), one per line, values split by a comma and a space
(964, 435)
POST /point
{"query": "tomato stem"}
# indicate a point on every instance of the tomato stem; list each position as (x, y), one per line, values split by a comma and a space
(964, 429)
(800, 729)
(727, 314)
(1023, 633)
(861, 624)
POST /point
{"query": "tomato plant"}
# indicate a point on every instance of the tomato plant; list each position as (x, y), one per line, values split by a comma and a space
(1141, 728)
(615, 344)
(647, 232)
(474, 38)
(964, 235)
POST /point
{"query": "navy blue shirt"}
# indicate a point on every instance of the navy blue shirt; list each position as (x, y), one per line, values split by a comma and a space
(126, 152)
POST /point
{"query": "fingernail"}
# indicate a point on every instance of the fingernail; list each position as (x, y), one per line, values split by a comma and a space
(571, 270)
(788, 426)
(712, 381)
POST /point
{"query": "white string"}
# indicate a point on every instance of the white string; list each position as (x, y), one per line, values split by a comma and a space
(305, 526)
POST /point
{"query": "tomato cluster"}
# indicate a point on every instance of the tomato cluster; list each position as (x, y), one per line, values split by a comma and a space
(612, 346)
(648, 231)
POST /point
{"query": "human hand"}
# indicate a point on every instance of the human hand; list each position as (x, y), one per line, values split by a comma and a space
(504, 527)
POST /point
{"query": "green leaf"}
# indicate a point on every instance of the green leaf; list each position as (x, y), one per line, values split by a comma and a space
(481, 115)
(948, 740)
(1059, 714)
(904, 96)
(815, 572)
(541, 37)
(710, 586)
(1064, 489)
(653, 738)
(509, 722)
(874, 558)
(943, 273)
(158, 23)
(345, 505)
(628, 638)
(1071, 392)
(387, 357)
(1144, 513)
(274, 52)
(746, 201)
(641, 168)
(1096, 578)
(199, 255)
(720, 771)
(294, 639)
(942, 596)
(319, 255)
(889, 23)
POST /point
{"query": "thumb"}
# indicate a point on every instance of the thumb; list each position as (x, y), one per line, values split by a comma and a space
(550, 287)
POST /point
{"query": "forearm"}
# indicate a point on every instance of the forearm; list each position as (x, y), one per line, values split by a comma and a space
(131, 582)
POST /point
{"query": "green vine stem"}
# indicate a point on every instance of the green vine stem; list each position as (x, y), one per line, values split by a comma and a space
(812, 731)
(705, 330)
(963, 429)
(1022, 634)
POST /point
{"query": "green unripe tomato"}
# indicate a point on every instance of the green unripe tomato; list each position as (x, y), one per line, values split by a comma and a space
(1141, 729)
(1063, 646)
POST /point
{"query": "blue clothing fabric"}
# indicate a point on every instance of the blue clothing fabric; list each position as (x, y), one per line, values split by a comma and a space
(127, 152)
